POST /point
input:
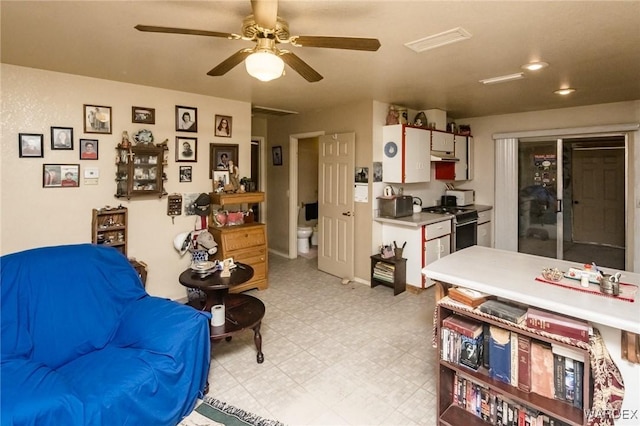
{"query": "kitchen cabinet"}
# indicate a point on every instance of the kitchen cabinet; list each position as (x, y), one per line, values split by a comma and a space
(140, 171)
(437, 243)
(461, 169)
(406, 155)
(485, 229)
(442, 141)
(424, 244)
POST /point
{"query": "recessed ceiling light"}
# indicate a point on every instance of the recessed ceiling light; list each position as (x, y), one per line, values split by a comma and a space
(437, 40)
(564, 92)
(503, 78)
(535, 66)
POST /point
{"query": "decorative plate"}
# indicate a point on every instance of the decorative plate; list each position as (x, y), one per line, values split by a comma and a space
(143, 136)
(390, 149)
(203, 266)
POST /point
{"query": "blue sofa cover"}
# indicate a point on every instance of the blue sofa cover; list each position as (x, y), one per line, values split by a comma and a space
(84, 344)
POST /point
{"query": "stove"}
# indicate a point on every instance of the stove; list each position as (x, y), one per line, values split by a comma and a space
(465, 223)
(461, 215)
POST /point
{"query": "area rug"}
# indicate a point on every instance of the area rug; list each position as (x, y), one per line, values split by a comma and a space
(212, 412)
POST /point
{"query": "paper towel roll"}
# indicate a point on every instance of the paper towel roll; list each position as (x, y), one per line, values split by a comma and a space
(217, 315)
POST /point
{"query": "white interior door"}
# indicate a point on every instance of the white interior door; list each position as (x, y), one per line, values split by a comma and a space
(335, 209)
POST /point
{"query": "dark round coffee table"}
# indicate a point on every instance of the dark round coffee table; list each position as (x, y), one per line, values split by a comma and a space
(215, 286)
(241, 312)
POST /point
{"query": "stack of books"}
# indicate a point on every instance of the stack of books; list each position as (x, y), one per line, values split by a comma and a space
(461, 341)
(494, 407)
(559, 369)
(559, 324)
(467, 296)
(384, 271)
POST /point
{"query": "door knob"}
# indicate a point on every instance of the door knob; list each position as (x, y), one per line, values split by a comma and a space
(347, 214)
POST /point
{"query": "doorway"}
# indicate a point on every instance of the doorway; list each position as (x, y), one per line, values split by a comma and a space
(586, 222)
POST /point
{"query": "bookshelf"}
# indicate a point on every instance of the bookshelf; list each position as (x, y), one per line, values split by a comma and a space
(450, 374)
(109, 227)
(390, 272)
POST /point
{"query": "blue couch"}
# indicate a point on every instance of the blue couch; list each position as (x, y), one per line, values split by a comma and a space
(84, 344)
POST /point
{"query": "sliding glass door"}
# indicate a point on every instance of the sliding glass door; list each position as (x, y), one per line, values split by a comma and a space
(540, 226)
(571, 199)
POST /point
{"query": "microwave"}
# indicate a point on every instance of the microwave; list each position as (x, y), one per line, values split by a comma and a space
(464, 197)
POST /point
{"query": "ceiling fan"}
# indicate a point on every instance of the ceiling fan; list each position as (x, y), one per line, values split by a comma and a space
(266, 60)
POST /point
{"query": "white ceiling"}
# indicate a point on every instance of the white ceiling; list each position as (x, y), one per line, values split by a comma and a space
(591, 46)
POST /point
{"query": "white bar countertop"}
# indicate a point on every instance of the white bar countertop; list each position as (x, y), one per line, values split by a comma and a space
(512, 276)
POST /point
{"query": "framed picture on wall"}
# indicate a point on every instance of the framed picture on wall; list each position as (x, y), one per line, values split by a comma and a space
(143, 115)
(97, 119)
(60, 175)
(62, 138)
(276, 152)
(30, 145)
(186, 149)
(186, 119)
(223, 126)
(88, 149)
(220, 155)
(185, 173)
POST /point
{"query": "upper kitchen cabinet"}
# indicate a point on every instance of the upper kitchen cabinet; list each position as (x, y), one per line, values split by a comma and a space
(406, 154)
(442, 142)
(462, 169)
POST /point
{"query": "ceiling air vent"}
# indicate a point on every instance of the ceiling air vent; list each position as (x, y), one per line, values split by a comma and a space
(438, 40)
(260, 110)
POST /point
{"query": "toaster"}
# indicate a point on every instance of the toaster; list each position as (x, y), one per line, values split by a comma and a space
(395, 206)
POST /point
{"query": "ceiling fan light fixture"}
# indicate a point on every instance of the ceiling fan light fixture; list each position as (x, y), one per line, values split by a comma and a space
(264, 65)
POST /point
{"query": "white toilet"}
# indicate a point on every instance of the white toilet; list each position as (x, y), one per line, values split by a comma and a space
(304, 232)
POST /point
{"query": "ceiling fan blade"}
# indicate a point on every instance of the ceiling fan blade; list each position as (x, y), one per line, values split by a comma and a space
(187, 31)
(351, 43)
(225, 66)
(301, 67)
(265, 13)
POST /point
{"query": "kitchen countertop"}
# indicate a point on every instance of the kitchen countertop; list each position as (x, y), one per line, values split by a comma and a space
(421, 219)
(416, 220)
(512, 275)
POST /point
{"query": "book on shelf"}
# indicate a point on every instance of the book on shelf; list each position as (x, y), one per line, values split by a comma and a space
(568, 352)
(514, 359)
(559, 324)
(468, 296)
(579, 383)
(569, 380)
(463, 325)
(486, 336)
(471, 351)
(503, 310)
(542, 369)
(524, 364)
(558, 376)
(500, 354)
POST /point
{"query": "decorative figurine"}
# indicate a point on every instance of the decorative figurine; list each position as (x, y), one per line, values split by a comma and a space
(126, 143)
(234, 176)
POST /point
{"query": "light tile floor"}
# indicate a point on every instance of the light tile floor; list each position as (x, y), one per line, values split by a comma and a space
(334, 354)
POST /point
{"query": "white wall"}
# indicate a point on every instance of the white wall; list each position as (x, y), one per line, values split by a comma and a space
(31, 216)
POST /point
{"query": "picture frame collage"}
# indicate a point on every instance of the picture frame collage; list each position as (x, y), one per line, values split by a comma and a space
(98, 120)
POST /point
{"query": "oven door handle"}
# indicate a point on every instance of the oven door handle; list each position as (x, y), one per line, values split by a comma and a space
(466, 222)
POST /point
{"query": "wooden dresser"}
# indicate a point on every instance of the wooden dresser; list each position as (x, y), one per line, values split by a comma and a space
(245, 243)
